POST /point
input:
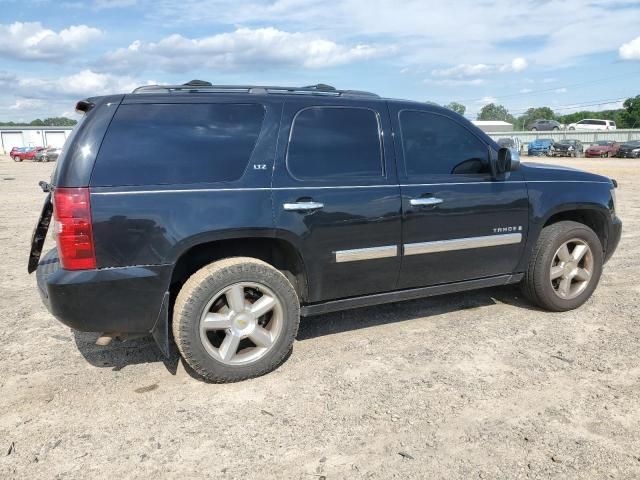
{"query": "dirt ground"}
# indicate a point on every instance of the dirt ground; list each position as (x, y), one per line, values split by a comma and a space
(474, 385)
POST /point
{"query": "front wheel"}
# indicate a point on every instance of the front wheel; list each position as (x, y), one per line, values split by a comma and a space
(564, 268)
(236, 319)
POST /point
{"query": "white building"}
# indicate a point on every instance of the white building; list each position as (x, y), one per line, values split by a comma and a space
(32, 137)
(493, 125)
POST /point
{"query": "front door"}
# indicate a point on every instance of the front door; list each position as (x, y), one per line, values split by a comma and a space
(458, 222)
(336, 195)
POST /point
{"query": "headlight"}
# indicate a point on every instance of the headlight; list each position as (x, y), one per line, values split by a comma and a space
(636, 150)
(570, 148)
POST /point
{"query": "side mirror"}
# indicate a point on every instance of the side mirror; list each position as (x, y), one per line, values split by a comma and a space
(502, 164)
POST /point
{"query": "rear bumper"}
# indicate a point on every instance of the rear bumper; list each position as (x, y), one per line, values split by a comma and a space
(123, 300)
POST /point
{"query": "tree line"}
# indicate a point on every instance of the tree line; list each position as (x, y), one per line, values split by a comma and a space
(47, 122)
(626, 117)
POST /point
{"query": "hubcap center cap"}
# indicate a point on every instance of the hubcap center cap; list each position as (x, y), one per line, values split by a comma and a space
(569, 267)
(243, 323)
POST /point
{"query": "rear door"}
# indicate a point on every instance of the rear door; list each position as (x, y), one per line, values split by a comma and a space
(458, 222)
(336, 195)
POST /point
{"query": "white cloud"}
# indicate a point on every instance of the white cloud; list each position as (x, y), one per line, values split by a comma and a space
(424, 27)
(486, 100)
(525, 90)
(454, 82)
(517, 65)
(26, 104)
(82, 84)
(114, 3)
(244, 48)
(471, 70)
(31, 41)
(560, 90)
(630, 50)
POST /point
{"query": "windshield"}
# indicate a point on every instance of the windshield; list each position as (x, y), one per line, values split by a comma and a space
(602, 143)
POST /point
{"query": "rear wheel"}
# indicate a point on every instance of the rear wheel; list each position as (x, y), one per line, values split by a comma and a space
(236, 319)
(534, 129)
(564, 268)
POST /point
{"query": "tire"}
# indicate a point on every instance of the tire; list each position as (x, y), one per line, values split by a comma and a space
(556, 128)
(534, 129)
(206, 291)
(538, 285)
(571, 128)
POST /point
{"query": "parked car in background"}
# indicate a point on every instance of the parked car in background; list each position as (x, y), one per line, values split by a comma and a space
(545, 125)
(513, 143)
(14, 153)
(47, 155)
(629, 150)
(602, 148)
(539, 147)
(593, 124)
(567, 148)
(26, 153)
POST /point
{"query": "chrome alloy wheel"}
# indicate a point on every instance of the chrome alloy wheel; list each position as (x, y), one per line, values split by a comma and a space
(241, 323)
(571, 269)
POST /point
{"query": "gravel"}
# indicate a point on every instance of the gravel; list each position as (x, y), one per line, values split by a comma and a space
(472, 385)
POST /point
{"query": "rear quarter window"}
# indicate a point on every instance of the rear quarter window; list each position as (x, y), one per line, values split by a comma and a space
(157, 144)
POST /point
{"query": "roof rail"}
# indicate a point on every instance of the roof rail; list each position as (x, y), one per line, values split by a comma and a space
(199, 86)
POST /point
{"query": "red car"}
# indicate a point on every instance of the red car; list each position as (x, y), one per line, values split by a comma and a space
(603, 148)
(24, 153)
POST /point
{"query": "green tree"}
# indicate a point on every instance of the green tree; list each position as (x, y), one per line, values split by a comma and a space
(456, 107)
(492, 111)
(631, 115)
(59, 122)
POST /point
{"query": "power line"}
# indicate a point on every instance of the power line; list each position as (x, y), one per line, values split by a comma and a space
(557, 87)
(576, 105)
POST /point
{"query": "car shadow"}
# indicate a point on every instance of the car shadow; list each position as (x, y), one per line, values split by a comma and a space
(120, 354)
(366, 317)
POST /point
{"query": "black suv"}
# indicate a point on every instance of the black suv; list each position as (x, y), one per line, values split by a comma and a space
(224, 213)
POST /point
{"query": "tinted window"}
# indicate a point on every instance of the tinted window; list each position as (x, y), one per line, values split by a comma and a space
(599, 122)
(149, 144)
(435, 144)
(335, 142)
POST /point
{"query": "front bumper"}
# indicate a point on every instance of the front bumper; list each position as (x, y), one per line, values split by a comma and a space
(538, 153)
(615, 232)
(123, 300)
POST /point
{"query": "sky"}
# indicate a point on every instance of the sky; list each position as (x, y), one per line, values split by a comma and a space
(570, 55)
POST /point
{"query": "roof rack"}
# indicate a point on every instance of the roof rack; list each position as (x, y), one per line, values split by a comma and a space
(200, 86)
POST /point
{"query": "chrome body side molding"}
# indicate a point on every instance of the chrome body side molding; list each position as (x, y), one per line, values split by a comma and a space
(366, 253)
(461, 243)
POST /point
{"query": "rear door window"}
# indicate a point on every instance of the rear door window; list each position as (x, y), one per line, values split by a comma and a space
(156, 144)
(333, 141)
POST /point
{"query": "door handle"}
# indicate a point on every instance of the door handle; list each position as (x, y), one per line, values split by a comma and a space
(302, 206)
(417, 202)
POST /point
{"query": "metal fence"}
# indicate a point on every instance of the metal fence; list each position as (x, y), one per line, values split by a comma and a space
(619, 136)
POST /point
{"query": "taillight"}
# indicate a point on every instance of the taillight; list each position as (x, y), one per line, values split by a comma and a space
(72, 215)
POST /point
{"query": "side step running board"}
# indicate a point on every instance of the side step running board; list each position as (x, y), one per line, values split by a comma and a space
(400, 295)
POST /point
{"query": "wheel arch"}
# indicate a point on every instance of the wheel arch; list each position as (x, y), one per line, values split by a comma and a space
(263, 245)
(593, 216)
